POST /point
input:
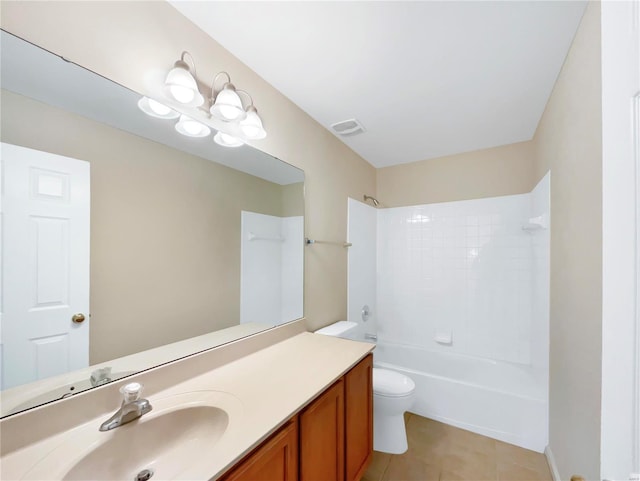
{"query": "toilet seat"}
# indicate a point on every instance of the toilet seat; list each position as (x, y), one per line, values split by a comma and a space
(391, 384)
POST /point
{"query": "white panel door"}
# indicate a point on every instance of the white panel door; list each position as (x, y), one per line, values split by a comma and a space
(45, 264)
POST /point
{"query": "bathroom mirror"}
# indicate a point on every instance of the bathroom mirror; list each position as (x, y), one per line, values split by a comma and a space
(126, 245)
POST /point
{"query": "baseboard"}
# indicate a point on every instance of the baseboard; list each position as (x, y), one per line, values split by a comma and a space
(552, 464)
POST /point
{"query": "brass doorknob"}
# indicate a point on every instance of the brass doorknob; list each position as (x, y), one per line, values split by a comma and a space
(78, 318)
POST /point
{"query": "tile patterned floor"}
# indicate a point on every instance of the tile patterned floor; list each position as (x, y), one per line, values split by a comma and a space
(438, 452)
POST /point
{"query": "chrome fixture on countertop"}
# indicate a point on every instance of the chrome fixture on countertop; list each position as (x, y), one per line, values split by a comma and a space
(132, 407)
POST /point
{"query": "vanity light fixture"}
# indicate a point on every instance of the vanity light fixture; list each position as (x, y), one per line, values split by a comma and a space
(179, 96)
(181, 85)
(156, 109)
(192, 128)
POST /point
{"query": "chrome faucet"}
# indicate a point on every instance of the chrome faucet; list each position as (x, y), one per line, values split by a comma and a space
(100, 376)
(132, 407)
(371, 337)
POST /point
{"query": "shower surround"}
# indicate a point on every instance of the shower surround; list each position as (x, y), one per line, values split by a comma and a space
(461, 304)
(271, 268)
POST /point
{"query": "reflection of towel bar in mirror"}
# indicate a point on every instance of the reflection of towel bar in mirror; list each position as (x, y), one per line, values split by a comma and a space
(254, 237)
(313, 241)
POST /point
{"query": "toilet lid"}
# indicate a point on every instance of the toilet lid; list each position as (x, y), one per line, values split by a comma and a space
(391, 383)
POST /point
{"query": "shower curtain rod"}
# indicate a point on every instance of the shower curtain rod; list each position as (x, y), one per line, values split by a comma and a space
(313, 241)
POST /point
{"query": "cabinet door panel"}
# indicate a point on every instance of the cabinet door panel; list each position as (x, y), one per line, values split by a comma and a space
(275, 460)
(322, 437)
(359, 418)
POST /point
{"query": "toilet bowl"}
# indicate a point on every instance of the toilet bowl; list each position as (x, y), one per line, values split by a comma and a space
(393, 394)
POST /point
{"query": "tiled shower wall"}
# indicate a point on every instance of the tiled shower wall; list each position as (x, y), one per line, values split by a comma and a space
(459, 276)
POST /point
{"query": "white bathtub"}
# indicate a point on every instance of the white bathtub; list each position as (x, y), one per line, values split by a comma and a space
(502, 400)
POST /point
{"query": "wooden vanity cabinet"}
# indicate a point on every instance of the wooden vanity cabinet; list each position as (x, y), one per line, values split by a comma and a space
(358, 387)
(330, 440)
(322, 437)
(336, 430)
(274, 460)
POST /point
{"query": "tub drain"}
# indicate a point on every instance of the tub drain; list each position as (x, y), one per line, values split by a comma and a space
(143, 475)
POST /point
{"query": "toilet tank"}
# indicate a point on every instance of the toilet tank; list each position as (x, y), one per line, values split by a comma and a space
(338, 329)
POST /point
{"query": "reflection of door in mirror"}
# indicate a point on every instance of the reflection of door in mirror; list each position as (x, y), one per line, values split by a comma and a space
(45, 265)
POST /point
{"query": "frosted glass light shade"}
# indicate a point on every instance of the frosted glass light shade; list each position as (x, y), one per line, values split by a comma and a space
(192, 128)
(182, 87)
(228, 106)
(251, 126)
(227, 140)
(156, 109)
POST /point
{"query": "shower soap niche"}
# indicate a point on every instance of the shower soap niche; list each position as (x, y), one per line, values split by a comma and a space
(444, 337)
(540, 222)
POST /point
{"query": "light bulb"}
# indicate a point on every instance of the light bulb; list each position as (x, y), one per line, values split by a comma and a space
(156, 109)
(227, 140)
(184, 95)
(228, 112)
(182, 87)
(251, 126)
(192, 128)
(228, 106)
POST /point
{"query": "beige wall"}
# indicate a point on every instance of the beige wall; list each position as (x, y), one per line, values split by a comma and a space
(165, 228)
(123, 40)
(291, 204)
(569, 142)
(491, 172)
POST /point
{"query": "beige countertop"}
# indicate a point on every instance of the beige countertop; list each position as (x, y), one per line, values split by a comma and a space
(271, 385)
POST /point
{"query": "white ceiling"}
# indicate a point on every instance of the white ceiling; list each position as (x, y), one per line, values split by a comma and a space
(426, 79)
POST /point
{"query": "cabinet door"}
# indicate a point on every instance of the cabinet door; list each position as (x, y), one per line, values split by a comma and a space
(359, 418)
(275, 460)
(322, 437)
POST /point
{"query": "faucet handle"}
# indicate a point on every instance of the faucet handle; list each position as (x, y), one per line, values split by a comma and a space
(131, 392)
(100, 376)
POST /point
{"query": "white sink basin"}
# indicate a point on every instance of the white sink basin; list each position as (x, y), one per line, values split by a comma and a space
(173, 440)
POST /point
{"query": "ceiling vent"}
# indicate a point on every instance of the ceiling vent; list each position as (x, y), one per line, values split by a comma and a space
(348, 127)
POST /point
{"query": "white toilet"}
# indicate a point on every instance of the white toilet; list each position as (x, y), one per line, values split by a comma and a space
(393, 394)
